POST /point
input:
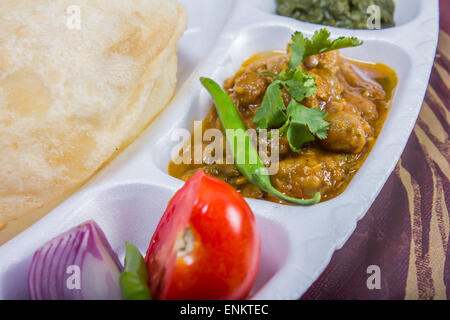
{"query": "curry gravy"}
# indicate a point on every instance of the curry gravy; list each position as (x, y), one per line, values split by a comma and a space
(357, 96)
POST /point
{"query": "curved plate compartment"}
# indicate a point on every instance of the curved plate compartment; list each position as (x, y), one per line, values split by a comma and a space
(132, 212)
(297, 242)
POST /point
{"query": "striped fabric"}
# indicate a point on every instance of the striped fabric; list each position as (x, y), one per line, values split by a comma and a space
(406, 232)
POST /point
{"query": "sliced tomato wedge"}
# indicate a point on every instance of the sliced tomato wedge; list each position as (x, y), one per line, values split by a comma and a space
(206, 246)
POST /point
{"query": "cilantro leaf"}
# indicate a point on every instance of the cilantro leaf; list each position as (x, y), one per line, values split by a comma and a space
(305, 124)
(313, 118)
(297, 50)
(299, 84)
(302, 47)
(321, 42)
(297, 135)
(271, 113)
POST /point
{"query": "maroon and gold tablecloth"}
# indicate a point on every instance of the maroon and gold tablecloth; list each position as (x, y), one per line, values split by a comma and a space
(406, 231)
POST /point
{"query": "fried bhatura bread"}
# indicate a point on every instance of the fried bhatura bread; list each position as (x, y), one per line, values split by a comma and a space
(79, 79)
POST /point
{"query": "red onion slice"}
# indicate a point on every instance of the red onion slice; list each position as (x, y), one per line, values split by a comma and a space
(78, 265)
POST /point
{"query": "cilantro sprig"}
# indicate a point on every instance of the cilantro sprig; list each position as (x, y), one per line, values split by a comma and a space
(301, 47)
(297, 122)
(272, 112)
(304, 124)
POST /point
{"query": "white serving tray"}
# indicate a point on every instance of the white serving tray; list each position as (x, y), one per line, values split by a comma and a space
(128, 197)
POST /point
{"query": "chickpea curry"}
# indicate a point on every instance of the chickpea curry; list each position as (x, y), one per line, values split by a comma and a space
(356, 97)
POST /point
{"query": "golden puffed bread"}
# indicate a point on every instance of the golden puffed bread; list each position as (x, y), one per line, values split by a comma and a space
(79, 79)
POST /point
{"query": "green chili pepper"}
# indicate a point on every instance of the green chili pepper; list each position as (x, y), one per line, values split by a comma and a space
(256, 173)
(134, 278)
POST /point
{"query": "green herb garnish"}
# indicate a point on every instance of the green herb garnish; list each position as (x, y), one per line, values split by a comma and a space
(298, 123)
(134, 277)
(304, 124)
(302, 47)
(271, 114)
